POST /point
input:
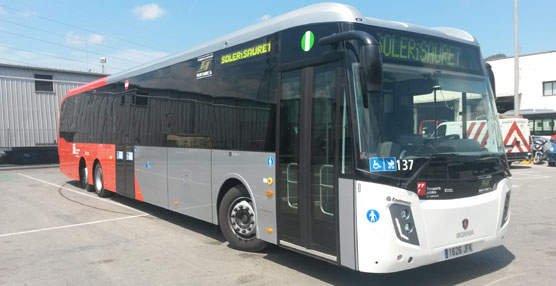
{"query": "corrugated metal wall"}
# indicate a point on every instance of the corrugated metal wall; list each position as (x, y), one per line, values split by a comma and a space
(29, 118)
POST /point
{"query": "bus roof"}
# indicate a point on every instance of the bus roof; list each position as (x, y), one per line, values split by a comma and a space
(318, 13)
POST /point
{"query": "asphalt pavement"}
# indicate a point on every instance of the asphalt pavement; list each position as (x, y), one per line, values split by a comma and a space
(54, 233)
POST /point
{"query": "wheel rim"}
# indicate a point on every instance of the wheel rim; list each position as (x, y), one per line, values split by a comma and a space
(242, 218)
(98, 180)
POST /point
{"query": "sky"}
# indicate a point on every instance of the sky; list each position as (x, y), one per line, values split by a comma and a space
(74, 35)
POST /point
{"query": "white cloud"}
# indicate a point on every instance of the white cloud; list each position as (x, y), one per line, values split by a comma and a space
(148, 11)
(77, 40)
(27, 14)
(73, 39)
(95, 38)
(264, 18)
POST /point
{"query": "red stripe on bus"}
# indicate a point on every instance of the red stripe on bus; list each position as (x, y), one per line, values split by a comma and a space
(80, 89)
(138, 194)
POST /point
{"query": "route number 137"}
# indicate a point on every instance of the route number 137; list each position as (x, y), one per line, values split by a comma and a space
(404, 165)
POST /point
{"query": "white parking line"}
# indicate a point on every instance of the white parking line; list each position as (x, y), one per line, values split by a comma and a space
(531, 177)
(504, 278)
(80, 193)
(535, 172)
(71, 225)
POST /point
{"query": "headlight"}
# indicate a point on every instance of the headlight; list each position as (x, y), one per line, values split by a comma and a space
(551, 148)
(404, 225)
(506, 209)
(405, 214)
(408, 227)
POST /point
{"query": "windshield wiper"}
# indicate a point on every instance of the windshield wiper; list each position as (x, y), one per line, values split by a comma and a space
(418, 172)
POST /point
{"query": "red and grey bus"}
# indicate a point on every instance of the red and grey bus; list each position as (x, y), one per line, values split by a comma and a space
(304, 131)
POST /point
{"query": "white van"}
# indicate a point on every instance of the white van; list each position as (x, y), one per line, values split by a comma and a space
(517, 138)
(515, 133)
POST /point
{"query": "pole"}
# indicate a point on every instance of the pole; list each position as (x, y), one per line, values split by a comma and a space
(516, 65)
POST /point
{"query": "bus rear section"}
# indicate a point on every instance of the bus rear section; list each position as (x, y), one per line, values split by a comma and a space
(517, 138)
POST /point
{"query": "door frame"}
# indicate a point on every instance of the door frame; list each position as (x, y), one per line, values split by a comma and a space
(305, 108)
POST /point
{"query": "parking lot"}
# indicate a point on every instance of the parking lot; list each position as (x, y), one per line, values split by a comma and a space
(54, 233)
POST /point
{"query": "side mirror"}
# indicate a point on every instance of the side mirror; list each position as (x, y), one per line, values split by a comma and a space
(369, 57)
(371, 61)
(491, 77)
(552, 140)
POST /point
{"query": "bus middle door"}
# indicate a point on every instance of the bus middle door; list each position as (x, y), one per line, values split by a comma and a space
(125, 155)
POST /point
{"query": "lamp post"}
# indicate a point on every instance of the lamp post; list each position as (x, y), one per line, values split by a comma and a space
(516, 65)
(102, 61)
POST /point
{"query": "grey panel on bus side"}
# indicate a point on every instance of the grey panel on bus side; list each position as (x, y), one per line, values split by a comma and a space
(189, 182)
(347, 222)
(151, 171)
(251, 168)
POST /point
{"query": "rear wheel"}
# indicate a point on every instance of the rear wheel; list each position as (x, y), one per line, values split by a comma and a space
(84, 177)
(236, 216)
(99, 183)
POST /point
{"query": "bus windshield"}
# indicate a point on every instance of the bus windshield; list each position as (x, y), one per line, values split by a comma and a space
(427, 118)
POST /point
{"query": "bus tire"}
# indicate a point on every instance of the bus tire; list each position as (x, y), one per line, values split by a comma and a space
(551, 164)
(99, 182)
(84, 177)
(236, 216)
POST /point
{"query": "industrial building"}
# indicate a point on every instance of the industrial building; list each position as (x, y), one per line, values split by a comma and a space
(29, 106)
(537, 82)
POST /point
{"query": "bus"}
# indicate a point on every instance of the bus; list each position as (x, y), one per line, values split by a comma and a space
(302, 131)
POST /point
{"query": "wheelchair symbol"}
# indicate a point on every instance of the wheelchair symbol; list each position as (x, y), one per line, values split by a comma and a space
(377, 164)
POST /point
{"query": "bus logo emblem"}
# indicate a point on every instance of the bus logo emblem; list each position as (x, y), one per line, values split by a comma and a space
(465, 224)
(373, 216)
(307, 41)
(270, 161)
(421, 188)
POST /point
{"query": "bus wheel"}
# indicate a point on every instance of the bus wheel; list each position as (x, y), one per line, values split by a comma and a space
(237, 220)
(99, 183)
(84, 177)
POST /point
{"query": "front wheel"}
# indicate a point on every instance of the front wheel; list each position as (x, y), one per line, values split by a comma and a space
(236, 216)
(537, 158)
(551, 164)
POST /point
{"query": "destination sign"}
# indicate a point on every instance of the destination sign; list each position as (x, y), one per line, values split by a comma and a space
(246, 53)
(422, 50)
(416, 49)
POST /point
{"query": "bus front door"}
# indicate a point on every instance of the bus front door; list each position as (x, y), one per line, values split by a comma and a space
(307, 183)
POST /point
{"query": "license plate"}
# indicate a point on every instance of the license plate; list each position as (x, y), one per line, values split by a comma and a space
(458, 251)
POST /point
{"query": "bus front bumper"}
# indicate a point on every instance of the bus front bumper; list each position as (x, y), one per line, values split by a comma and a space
(443, 229)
